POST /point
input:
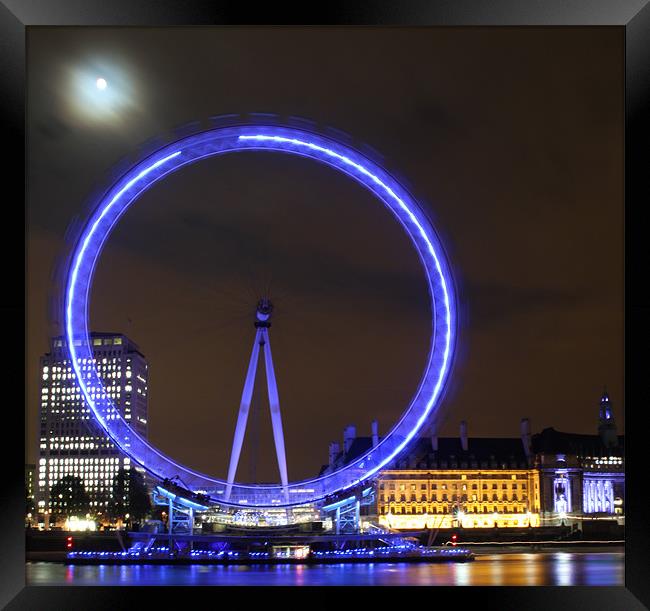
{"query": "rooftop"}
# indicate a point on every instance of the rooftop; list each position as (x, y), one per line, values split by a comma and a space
(550, 441)
(482, 452)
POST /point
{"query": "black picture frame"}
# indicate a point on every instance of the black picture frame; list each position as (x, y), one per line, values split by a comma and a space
(633, 16)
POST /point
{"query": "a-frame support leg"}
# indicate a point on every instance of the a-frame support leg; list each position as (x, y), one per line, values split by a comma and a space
(242, 417)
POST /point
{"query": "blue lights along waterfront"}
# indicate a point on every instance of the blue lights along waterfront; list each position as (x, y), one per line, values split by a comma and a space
(358, 553)
(273, 139)
(554, 568)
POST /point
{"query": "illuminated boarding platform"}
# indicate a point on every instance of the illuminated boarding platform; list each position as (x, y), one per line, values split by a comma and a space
(219, 519)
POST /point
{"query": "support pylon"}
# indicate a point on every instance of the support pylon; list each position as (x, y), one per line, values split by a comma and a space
(262, 343)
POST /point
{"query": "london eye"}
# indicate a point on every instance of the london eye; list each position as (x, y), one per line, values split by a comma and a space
(278, 138)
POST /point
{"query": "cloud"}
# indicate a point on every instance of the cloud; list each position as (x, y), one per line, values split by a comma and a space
(490, 304)
(213, 251)
(52, 128)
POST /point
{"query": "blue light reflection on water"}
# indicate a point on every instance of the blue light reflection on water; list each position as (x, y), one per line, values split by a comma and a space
(561, 568)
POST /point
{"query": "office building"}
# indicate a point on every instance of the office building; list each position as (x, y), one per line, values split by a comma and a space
(70, 440)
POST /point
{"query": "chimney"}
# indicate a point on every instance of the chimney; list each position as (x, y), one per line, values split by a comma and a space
(335, 448)
(375, 433)
(463, 435)
(349, 435)
(525, 437)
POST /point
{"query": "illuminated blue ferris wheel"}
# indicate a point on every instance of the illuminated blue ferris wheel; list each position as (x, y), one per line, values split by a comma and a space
(271, 138)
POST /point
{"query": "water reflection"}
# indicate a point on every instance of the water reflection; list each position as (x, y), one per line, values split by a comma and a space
(563, 569)
(534, 569)
(462, 574)
(69, 575)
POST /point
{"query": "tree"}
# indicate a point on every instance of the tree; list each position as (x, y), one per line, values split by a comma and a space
(130, 500)
(68, 497)
(101, 509)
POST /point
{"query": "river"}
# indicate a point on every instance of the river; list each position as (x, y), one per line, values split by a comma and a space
(562, 568)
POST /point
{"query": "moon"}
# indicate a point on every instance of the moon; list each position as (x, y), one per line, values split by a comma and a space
(99, 92)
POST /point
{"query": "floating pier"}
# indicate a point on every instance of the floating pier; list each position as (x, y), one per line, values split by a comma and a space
(162, 555)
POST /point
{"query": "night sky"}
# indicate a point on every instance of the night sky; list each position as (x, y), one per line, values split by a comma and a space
(511, 139)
